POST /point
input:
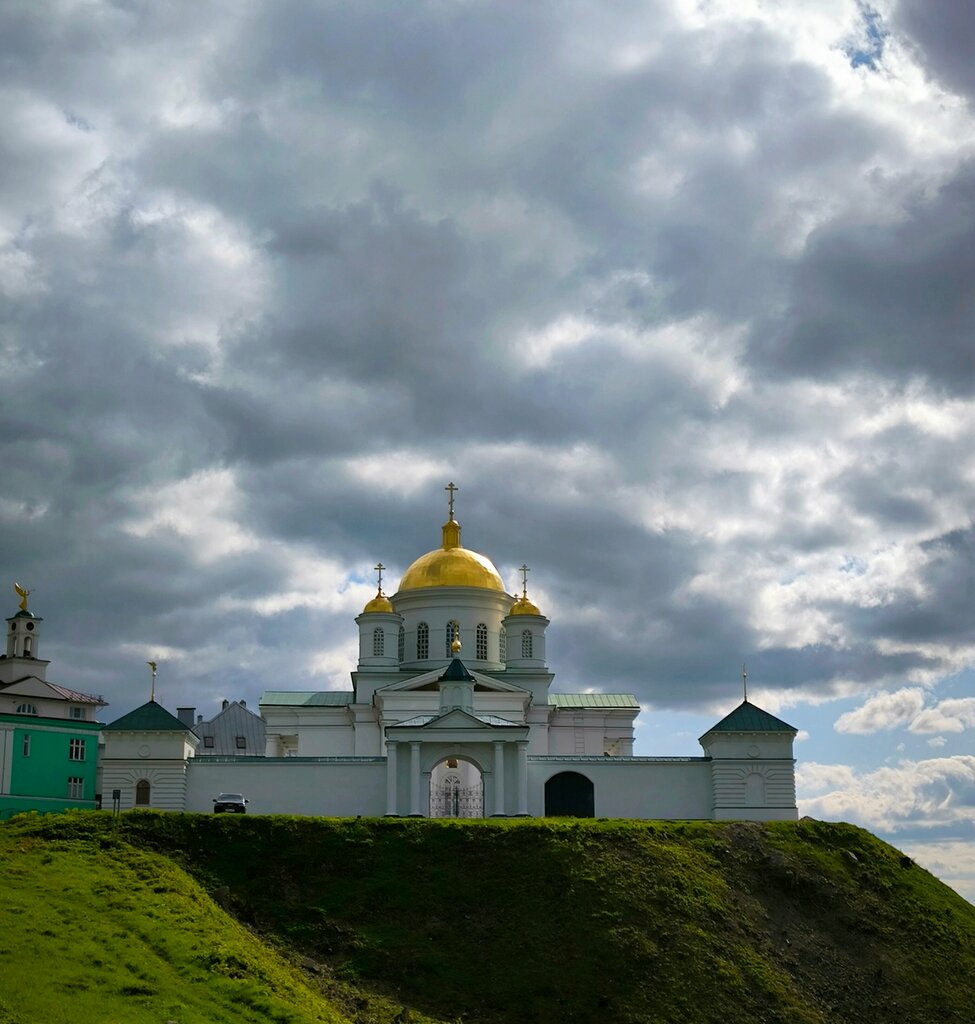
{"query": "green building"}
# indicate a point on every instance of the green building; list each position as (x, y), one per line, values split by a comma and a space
(48, 734)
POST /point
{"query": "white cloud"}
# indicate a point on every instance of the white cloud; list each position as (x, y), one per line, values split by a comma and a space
(905, 709)
(953, 715)
(885, 711)
(931, 793)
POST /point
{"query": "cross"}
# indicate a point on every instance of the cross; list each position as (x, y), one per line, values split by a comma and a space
(524, 570)
(451, 487)
(379, 568)
(152, 692)
(744, 680)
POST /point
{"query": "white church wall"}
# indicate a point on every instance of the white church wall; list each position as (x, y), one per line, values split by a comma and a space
(590, 733)
(291, 785)
(326, 739)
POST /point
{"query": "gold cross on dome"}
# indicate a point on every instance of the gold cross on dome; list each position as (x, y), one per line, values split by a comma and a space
(379, 583)
(524, 570)
(450, 504)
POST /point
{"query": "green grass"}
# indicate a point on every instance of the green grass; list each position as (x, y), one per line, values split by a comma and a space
(101, 931)
(527, 921)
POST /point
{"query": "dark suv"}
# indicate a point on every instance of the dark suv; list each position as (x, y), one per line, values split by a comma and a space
(232, 803)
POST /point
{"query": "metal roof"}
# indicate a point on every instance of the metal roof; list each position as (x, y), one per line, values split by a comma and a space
(76, 696)
(151, 717)
(229, 728)
(749, 718)
(308, 698)
(593, 700)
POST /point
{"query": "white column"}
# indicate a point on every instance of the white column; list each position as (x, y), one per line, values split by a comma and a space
(391, 777)
(415, 779)
(523, 778)
(498, 778)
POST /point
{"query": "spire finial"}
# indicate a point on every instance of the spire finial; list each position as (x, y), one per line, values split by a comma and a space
(451, 487)
(379, 583)
(152, 690)
(744, 680)
(24, 594)
(524, 570)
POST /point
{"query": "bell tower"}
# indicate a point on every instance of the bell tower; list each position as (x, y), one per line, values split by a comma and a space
(23, 633)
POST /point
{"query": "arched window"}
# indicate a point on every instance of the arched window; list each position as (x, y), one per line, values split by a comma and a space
(26, 709)
(503, 646)
(422, 642)
(142, 793)
(378, 642)
(481, 651)
(526, 643)
(451, 634)
(28, 646)
(401, 645)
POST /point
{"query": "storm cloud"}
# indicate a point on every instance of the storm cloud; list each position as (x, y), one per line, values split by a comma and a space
(680, 297)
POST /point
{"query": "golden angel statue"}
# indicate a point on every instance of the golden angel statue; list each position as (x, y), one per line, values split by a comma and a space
(24, 594)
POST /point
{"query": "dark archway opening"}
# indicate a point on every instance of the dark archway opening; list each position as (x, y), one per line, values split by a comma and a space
(142, 793)
(569, 795)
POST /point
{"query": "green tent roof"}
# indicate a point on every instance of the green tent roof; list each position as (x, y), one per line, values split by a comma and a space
(151, 717)
(456, 673)
(749, 718)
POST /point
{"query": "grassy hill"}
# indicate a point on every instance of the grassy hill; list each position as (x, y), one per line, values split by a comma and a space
(515, 921)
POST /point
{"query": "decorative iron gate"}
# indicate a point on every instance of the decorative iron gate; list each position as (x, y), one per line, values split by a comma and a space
(452, 800)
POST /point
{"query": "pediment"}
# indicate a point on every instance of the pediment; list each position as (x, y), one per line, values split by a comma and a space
(31, 686)
(429, 681)
(458, 719)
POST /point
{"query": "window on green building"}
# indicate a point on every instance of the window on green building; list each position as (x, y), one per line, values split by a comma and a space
(26, 747)
(26, 709)
(76, 750)
(76, 787)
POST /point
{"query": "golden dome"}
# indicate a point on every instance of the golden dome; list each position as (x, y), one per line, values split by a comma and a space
(524, 607)
(380, 603)
(452, 566)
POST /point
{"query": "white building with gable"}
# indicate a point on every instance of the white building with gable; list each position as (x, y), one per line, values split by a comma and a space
(452, 713)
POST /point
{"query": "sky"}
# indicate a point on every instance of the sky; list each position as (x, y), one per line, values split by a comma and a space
(681, 294)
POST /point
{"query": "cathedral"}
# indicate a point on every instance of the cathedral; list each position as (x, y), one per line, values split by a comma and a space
(452, 713)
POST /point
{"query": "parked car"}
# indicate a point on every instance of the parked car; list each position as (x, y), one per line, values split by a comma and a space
(231, 803)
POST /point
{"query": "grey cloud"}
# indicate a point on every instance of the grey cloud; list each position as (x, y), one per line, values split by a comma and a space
(891, 299)
(944, 35)
(941, 615)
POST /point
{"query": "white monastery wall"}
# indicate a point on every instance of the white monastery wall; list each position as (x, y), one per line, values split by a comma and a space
(291, 785)
(638, 788)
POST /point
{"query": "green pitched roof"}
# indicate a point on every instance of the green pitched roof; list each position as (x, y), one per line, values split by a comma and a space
(593, 700)
(308, 698)
(151, 717)
(749, 718)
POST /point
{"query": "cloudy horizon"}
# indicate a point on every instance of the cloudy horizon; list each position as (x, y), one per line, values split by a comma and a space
(679, 293)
